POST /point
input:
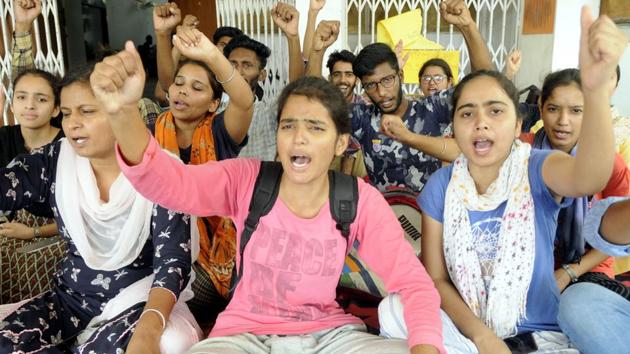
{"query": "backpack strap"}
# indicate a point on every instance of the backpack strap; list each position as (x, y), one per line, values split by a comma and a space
(344, 198)
(263, 198)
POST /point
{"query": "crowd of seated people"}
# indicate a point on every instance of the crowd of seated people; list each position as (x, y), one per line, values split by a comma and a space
(222, 219)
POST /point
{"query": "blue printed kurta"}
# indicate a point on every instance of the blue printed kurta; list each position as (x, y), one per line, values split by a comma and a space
(79, 292)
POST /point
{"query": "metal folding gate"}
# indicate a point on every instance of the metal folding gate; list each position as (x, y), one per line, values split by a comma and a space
(254, 18)
(498, 20)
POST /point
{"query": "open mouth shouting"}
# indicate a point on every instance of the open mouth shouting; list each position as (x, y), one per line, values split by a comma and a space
(482, 146)
(300, 161)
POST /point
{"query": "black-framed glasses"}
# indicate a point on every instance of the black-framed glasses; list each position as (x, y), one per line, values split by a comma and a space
(436, 78)
(386, 82)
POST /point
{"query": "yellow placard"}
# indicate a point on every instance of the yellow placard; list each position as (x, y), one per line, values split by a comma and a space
(417, 58)
(406, 27)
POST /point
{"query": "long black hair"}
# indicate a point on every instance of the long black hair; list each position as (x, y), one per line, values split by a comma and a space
(559, 78)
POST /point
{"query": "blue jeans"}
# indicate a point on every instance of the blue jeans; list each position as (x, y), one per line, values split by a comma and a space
(595, 319)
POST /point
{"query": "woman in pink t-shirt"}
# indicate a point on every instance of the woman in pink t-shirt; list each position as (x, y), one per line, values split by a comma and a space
(285, 299)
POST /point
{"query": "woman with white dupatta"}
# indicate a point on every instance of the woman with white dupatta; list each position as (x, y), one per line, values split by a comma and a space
(123, 284)
(489, 219)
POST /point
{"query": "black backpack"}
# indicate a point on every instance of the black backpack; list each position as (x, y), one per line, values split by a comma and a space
(344, 197)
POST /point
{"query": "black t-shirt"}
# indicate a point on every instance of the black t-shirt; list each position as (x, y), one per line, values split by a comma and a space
(12, 143)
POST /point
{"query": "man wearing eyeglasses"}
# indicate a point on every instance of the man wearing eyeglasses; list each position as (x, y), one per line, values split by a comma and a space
(404, 140)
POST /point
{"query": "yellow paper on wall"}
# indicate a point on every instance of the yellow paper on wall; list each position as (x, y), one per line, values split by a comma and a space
(418, 57)
(406, 27)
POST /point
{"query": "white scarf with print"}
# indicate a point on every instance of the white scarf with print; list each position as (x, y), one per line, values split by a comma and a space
(503, 306)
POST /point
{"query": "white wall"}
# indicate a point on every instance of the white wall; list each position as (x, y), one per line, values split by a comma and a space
(333, 10)
(566, 47)
(544, 53)
(621, 98)
(566, 42)
(126, 22)
(536, 54)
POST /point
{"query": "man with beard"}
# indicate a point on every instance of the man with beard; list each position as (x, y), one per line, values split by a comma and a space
(340, 74)
(403, 140)
(249, 58)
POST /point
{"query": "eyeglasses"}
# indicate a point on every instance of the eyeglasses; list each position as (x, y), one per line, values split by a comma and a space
(436, 78)
(386, 82)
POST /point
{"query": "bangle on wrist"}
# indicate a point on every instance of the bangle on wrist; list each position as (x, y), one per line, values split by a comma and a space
(570, 272)
(37, 232)
(228, 79)
(443, 146)
(157, 312)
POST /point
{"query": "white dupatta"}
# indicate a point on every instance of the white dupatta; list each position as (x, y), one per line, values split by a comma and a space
(109, 235)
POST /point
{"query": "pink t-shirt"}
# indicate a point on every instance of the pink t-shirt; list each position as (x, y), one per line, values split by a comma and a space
(292, 265)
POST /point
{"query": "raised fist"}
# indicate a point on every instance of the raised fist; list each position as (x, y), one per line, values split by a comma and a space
(166, 17)
(118, 80)
(325, 35)
(25, 12)
(394, 127)
(456, 13)
(601, 46)
(287, 18)
(317, 5)
(190, 21)
(193, 44)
